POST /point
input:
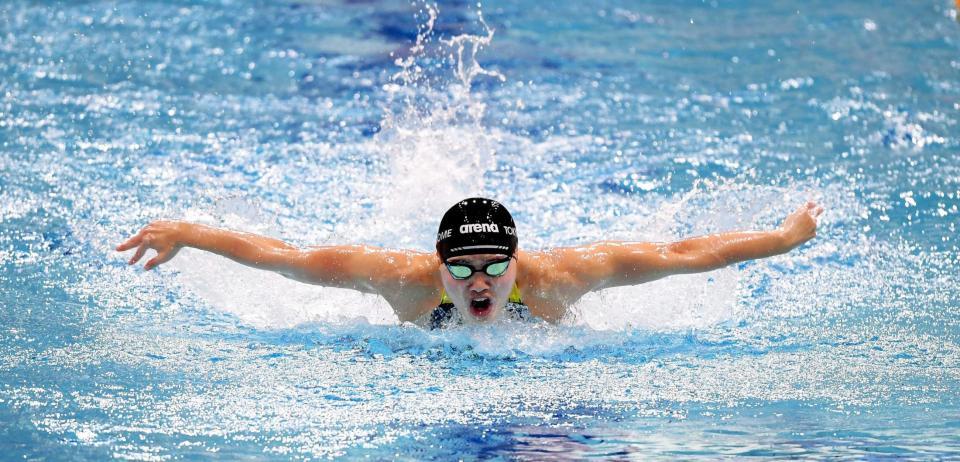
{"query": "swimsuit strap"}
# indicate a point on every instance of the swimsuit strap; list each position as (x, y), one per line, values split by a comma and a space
(514, 296)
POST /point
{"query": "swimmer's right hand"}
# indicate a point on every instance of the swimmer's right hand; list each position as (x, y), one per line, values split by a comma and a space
(166, 237)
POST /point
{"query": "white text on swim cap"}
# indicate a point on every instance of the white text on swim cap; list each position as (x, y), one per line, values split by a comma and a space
(479, 228)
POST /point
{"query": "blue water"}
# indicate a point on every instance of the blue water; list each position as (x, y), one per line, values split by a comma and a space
(325, 122)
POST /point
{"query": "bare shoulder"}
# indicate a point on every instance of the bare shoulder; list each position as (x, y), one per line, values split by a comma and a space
(548, 281)
(407, 279)
(578, 265)
(416, 268)
(411, 284)
(554, 279)
(391, 271)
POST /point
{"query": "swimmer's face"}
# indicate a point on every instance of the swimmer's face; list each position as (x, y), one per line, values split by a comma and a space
(481, 297)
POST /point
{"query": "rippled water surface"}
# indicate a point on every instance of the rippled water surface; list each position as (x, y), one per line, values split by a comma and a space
(322, 122)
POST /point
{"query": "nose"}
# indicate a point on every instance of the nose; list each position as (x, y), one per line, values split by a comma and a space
(479, 283)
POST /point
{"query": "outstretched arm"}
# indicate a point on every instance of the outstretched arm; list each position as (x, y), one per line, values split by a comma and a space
(358, 267)
(611, 264)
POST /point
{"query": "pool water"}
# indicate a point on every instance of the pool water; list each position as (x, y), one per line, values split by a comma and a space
(361, 122)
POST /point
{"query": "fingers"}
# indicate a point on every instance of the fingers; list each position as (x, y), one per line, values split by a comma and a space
(161, 257)
(139, 254)
(812, 208)
(145, 242)
(130, 243)
(150, 237)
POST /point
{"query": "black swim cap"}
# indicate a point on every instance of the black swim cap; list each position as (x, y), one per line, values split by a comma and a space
(474, 226)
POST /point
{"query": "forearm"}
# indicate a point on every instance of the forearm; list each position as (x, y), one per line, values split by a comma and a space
(246, 248)
(719, 250)
(611, 264)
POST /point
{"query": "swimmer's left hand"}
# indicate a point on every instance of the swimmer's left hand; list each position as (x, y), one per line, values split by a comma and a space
(801, 225)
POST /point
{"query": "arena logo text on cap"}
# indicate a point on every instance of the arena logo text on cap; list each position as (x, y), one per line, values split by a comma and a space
(476, 226)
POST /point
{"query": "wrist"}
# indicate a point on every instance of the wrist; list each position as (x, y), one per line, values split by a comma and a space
(188, 235)
(787, 239)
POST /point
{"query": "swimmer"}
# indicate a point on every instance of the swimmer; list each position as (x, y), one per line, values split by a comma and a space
(478, 274)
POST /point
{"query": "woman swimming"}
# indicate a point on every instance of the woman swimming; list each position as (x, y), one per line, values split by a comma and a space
(478, 273)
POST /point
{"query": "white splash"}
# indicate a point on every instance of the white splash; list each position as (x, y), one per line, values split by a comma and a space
(436, 148)
(467, 67)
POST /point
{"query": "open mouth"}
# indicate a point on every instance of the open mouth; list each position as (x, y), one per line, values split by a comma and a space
(480, 306)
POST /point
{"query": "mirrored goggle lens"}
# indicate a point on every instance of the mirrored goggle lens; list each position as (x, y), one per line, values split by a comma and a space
(460, 271)
(496, 269)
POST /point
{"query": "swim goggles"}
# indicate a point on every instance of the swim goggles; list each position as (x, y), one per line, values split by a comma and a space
(495, 268)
